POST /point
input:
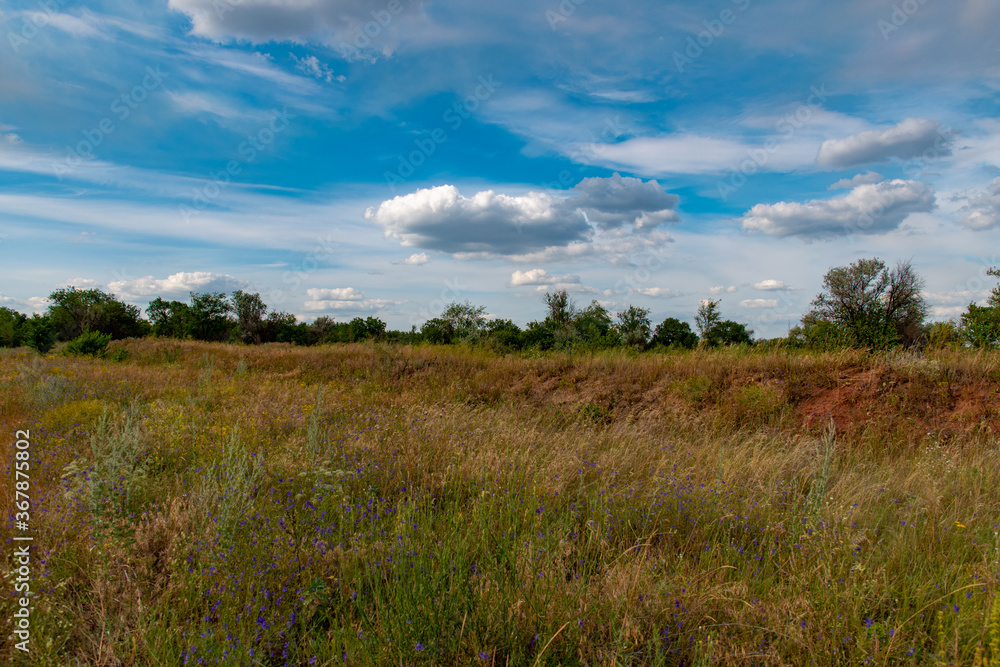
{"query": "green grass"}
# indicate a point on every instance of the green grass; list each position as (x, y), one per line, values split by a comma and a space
(370, 505)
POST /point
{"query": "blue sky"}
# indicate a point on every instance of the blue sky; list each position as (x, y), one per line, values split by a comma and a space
(386, 157)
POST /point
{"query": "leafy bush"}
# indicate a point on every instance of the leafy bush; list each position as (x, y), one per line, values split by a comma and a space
(981, 324)
(92, 343)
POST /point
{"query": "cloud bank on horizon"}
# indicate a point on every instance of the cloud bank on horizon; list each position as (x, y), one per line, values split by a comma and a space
(385, 157)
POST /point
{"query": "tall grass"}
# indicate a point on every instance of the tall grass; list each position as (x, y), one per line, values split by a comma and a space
(364, 504)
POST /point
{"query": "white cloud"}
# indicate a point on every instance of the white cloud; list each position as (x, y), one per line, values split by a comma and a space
(80, 283)
(335, 294)
(440, 218)
(75, 26)
(349, 305)
(539, 277)
(860, 179)
(535, 224)
(351, 26)
(199, 103)
(867, 209)
(759, 303)
(962, 297)
(543, 281)
(657, 292)
(616, 201)
(679, 154)
(770, 285)
(313, 67)
(947, 312)
(719, 289)
(178, 283)
(416, 259)
(983, 208)
(908, 139)
(38, 304)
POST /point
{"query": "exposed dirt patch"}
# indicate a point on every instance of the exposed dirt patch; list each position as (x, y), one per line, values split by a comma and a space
(876, 395)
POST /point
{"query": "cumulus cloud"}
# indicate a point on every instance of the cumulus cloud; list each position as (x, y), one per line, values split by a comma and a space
(719, 289)
(867, 209)
(539, 277)
(351, 26)
(535, 224)
(178, 283)
(442, 219)
(335, 293)
(908, 139)
(80, 283)
(656, 292)
(37, 304)
(961, 297)
(860, 179)
(983, 208)
(352, 305)
(416, 259)
(770, 285)
(616, 201)
(759, 303)
(342, 299)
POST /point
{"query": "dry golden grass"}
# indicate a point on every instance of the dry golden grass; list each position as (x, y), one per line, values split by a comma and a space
(268, 505)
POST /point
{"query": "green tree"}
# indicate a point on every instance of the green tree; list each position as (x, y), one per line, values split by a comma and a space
(121, 320)
(438, 331)
(561, 308)
(715, 331)
(633, 327)
(672, 333)
(281, 327)
(250, 311)
(73, 311)
(504, 335)
(210, 316)
(326, 330)
(728, 332)
(11, 324)
(169, 319)
(980, 325)
(466, 321)
(707, 317)
(875, 306)
(369, 328)
(818, 334)
(540, 335)
(557, 330)
(594, 328)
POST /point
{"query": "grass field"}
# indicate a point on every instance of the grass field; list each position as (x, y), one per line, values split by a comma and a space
(371, 505)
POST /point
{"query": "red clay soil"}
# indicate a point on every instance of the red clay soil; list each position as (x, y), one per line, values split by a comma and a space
(871, 396)
(859, 398)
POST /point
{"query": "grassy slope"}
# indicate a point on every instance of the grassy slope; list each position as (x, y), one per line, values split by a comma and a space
(438, 505)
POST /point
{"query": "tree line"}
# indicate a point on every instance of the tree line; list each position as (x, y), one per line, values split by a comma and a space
(864, 305)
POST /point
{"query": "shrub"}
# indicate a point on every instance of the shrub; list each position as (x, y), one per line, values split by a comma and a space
(92, 343)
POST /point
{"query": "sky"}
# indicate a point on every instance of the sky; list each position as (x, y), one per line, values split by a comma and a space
(385, 158)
